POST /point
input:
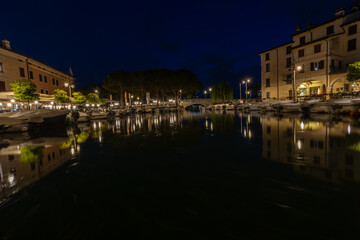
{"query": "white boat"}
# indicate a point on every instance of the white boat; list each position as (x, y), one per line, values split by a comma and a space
(289, 107)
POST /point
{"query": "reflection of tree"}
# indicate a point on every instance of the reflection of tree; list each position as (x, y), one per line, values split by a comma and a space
(83, 136)
(353, 142)
(222, 123)
(65, 145)
(31, 154)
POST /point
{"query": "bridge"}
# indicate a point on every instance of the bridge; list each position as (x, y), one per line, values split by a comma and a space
(196, 101)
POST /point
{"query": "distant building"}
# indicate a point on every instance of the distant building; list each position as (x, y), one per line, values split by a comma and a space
(323, 50)
(15, 66)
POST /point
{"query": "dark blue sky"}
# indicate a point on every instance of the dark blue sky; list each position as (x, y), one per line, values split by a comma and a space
(217, 40)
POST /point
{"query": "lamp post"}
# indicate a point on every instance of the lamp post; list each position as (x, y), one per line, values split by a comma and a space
(298, 68)
(70, 87)
(246, 85)
(205, 92)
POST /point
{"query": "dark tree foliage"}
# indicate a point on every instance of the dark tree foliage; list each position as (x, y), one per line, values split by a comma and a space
(161, 83)
(221, 93)
(353, 71)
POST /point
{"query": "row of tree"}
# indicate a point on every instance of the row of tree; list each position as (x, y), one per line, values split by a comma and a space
(25, 90)
(158, 83)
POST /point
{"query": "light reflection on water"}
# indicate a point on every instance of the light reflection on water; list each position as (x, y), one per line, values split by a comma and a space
(246, 148)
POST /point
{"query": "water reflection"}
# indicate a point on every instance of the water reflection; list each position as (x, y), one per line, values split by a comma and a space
(327, 150)
(22, 164)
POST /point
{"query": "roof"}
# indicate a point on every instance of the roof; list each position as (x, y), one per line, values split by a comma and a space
(11, 50)
(282, 45)
(317, 40)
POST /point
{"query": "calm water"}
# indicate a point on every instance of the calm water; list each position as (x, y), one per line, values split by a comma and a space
(180, 176)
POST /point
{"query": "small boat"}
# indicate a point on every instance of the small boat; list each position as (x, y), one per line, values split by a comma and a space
(289, 107)
(38, 116)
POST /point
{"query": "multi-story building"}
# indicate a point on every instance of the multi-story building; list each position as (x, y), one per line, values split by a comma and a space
(15, 66)
(323, 51)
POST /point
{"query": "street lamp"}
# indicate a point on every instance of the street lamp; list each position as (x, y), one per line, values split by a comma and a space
(205, 92)
(70, 87)
(298, 68)
(246, 91)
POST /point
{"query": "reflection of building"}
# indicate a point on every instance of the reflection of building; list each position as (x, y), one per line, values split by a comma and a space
(16, 174)
(323, 50)
(313, 148)
(15, 66)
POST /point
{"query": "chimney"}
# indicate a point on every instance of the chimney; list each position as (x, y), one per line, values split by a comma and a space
(355, 7)
(6, 44)
(309, 25)
(298, 29)
(340, 12)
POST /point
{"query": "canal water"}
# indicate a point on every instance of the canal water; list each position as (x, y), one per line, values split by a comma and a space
(184, 175)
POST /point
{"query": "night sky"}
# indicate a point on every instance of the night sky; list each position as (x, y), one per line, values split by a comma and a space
(217, 40)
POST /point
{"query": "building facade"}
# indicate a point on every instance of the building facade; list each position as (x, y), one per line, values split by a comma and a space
(15, 66)
(323, 51)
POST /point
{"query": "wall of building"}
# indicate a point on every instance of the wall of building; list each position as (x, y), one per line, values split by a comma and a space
(11, 62)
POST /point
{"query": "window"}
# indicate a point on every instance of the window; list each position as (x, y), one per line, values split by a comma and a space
(57, 82)
(42, 91)
(317, 48)
(321, 64)
(49, 158)
(53, 155)
(32, 165)
(2, 86)
(330, 30)
(289, 78)
(268, 95)
(346, 87)
(268, 143)
(47, 92)
(352, 30)
(302, 40)
(22, 72)
(1, 67)
(267, 56)
(332, 66)
(267, 82)
(340, 64)
(40, 77)
(288, 50)
(11, 157)
(352, 44)
(268, 67)
(53, 80)
(45, 79)
(301, 53)
(31, 75)
(288, 62)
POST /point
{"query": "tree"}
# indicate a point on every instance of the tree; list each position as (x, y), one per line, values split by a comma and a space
(221, 92)
(92, 98)
(31, 154)
(353, 71)
(24, 90)
(61, 96)
(79, 98)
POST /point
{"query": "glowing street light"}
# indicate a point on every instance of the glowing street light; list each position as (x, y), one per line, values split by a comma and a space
(298, 68)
